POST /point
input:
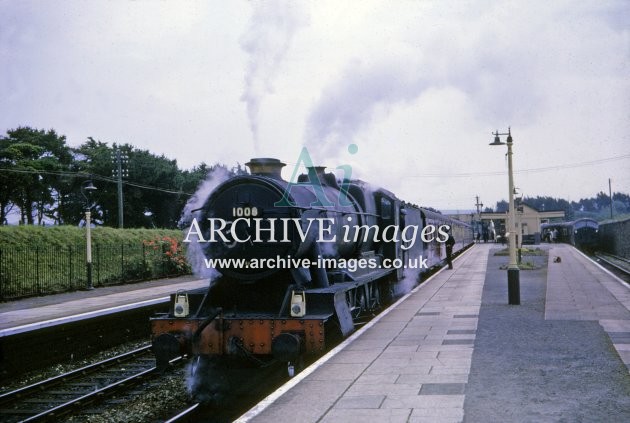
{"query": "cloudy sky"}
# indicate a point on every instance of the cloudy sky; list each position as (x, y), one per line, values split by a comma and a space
(418, 86)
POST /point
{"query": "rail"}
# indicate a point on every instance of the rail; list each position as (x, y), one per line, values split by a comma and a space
(620, 266)
(184, 415)
(75, 389)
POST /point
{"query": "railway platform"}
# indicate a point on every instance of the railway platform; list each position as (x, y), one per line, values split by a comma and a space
(74, 325)
(453, 350)
(37, 312)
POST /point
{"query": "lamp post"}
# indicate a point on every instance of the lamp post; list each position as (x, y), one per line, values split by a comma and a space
(86, 189)
(514, 294)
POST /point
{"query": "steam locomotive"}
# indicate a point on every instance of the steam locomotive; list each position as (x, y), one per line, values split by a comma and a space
(300, 265)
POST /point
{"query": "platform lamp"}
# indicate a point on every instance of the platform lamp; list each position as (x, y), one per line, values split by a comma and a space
(513, 272)
(87, 188)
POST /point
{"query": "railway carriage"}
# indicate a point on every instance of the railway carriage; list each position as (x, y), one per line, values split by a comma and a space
(581, 233)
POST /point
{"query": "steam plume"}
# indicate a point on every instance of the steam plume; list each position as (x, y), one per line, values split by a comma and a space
(348, 105)
(195, 253)
(267, 40)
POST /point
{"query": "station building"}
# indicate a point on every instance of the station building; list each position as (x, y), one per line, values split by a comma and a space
(528, 221)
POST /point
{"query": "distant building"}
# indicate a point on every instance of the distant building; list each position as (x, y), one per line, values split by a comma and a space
(528, 220)
(466, 216)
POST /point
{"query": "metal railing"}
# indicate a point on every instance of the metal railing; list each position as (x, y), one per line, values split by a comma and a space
(40, 270)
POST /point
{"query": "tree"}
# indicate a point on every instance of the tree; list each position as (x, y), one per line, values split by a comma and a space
(31, 161)
(7, 178)
(159, 201)
(154, 193)
(621, 202)
(502, 206)
(602, 200)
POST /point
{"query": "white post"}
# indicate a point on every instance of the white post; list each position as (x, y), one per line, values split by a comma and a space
(514, 295)
(512, 216)
(88, 247)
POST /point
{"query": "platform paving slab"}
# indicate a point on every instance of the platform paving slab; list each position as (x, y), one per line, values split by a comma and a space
(38, 309)
(444, 355)
(412, 365)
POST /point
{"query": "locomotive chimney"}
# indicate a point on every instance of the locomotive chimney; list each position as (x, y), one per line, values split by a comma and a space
(319, 171)
(268, 167)
(324, 178)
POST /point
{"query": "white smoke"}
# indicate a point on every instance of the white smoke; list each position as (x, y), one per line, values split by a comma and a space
(194, 251)
(411, 278)
(349, 104)
(271, 30)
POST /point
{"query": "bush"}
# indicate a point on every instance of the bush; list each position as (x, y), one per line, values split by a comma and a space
(63, 236)
(39, 260)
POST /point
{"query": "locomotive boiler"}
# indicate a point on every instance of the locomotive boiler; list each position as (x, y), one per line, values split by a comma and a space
(300, 265)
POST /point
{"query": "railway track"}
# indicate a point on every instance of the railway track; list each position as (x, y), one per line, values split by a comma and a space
(185, 415)
(619, 266)
(252, 387)
(67, 393)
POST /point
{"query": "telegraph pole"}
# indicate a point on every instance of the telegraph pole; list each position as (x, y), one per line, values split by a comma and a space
(120, 160)
(611, 200)
(479, 206)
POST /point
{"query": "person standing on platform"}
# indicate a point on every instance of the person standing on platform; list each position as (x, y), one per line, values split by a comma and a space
(450, 241)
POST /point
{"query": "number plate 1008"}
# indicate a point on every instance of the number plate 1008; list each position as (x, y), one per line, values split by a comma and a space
(244, 211)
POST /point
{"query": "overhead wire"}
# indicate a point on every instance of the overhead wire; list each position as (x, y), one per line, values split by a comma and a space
(422, 175)
(519, 171)
(96, 177)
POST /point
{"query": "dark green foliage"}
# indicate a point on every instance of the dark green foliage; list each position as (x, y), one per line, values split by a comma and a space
(59, 236)
(36, 260)
(502, 206)
(155, 190)
(41, 179)
(38, 195)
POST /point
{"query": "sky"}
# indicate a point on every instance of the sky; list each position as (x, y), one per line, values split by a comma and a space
(417, 86)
